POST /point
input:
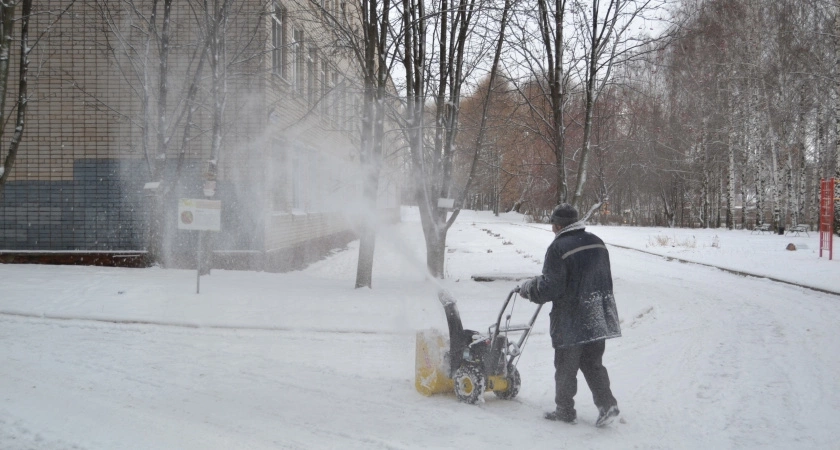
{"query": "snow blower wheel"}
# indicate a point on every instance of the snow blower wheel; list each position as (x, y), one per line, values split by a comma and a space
(514, 382)
(470, 384)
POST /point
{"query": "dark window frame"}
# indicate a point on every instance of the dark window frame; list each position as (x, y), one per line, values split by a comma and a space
(279, 53)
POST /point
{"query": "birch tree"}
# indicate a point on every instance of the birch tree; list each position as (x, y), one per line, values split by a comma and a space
(175, 58)
(546, 62)
(605, 29)
(17, 15)
(139, 36)
(434, 56)
(364, 31)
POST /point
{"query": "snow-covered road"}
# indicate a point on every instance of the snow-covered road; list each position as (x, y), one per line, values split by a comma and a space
(708, 360)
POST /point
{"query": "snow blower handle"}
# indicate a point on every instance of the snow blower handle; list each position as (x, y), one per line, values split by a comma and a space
(502, 312)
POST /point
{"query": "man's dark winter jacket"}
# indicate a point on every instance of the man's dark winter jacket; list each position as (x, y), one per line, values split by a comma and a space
(576, 277)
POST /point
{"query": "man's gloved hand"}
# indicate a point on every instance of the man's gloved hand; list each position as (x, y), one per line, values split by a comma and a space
(524, 288)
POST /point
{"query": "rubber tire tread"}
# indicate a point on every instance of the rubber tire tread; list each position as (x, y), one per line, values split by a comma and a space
(514, 383)
(476, 378)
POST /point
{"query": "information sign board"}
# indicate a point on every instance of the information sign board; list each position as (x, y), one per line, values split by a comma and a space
(199, 214)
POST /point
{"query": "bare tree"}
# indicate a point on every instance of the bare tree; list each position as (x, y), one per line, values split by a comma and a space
(741, 77)
(481, 130)
(164, 50)
(21, 93)
(554, 71)
(139, 36)
(566, 55)
(607, 42)
(438, 74)
(363, 33)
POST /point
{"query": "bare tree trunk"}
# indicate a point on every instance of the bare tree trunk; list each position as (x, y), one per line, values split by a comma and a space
(7, 20)
(587, 124)
(604, 39)
(370, 181)
(375, 69)
(7, 23)
(163, 86)
(730, 185)
(819, 159)
(706, 202)
(759, 192)
(743, 175)
(551, 32)
(432, 167)
(23, 93)
(801, 199)
(157, 159)
(482, 127)
(790, 207)
(775, 192)
(216, 19)
(595, 41)
(217, 15)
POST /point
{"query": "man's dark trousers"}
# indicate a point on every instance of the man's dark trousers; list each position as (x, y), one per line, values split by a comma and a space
(587, 358)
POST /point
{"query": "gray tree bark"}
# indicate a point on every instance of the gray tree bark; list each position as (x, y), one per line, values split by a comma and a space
(7, 38)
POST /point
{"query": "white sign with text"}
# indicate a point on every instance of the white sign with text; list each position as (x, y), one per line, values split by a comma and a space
(199, 214)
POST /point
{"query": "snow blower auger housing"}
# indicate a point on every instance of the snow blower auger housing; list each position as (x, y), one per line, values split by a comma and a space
(473, 363)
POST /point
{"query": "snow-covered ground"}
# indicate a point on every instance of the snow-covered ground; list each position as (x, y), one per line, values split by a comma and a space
(108, 358)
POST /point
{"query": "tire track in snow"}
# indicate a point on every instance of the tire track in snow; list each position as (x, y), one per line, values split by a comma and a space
(732, 271)
(190, 325)
(686, 261)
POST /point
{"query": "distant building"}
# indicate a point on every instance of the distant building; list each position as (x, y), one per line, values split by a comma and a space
(288, 166)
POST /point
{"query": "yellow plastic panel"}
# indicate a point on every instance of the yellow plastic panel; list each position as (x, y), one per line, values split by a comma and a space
(430, 375)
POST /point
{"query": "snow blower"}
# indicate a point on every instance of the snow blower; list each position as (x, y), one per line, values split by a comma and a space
(471, 363)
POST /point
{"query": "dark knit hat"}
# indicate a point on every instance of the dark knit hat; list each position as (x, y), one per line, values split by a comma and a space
(564, 214)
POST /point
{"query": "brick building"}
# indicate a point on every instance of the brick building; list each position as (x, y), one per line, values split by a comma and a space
(99, 131)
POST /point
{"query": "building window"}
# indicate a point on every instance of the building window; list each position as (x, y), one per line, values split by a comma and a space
(279, 176)
(314, 201)
(334, 96)
(312, 68)
(342, 108)
(325, 89)
(297, 167)
(278, 41)
(296, 65)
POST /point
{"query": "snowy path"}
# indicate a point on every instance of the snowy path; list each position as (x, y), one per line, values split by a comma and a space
(713, 360)
(734, 367)
(708, 360)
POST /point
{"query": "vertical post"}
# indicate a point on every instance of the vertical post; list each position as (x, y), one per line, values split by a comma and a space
(832, 189)
(822, 215)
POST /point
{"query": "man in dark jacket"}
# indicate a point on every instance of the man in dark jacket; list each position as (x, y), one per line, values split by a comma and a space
(576, 278)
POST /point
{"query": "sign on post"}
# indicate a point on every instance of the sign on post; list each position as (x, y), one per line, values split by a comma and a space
(202, 215)
(199, 214)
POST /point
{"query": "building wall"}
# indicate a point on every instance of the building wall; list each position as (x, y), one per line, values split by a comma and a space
(288, 167)
(94, 210)
(68, 188)
(312, 149)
